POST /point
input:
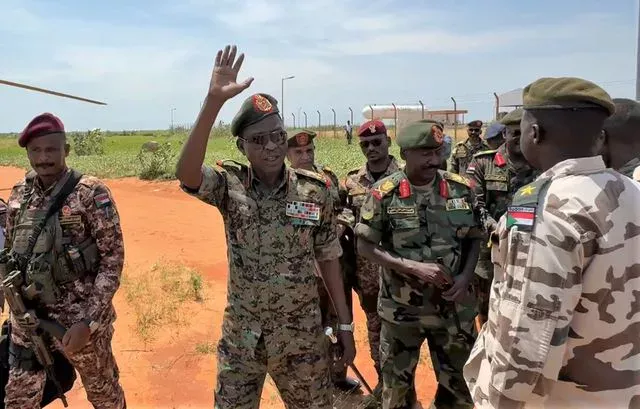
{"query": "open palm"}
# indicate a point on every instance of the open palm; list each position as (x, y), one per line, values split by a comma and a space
(225, 74)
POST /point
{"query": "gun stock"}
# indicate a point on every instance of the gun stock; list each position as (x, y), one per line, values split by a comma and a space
(29, 322)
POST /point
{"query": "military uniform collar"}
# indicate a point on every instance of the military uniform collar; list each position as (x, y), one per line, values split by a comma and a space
(391, 168)
(471, 146)
(577, 166)
(37, 183)
(257, 185)
(628, 168)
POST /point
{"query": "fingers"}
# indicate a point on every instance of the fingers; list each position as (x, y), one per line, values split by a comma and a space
(225, 56)
(232, 56)
(246, 83)
(218, 58)
(238, 64)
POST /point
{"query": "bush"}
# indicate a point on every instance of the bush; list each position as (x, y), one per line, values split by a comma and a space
(89, 143)
(157, 164)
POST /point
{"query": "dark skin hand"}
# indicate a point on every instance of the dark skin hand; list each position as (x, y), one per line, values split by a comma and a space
(76, 337)
(460, 287)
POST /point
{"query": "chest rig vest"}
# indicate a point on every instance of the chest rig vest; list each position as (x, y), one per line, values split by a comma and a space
(43, 258)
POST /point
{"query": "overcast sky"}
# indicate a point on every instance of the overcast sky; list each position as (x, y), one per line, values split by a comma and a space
(145, 57)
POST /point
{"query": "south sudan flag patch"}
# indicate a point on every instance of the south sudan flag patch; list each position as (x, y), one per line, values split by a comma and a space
(521, 216)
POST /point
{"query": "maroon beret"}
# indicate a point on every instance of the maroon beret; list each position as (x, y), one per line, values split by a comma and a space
(43, 124)
(371, 128)
(475, 124)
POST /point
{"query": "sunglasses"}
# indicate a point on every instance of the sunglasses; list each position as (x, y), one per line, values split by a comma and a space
(278, 137)
(374, 143)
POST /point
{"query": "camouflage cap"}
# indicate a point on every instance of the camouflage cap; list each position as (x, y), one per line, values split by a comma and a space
(301, 138)
(565, 93)
(254, 109)
(513, 118)
(421, 134)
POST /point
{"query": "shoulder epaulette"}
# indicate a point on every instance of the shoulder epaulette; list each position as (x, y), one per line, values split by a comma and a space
(386, 185)
(313, 175)
(457, 178)
(483, 153)
(229, 163)
(529, 194)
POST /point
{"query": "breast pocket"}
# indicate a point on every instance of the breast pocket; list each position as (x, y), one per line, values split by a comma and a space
(241, 212)
(497, 186)
(512, 257)
(405, 232)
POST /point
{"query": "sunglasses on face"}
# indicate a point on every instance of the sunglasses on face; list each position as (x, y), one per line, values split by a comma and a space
(374, 143)
(474, 130)
(277, 137)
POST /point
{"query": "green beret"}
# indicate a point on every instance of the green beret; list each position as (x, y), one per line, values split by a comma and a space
(254, 109)
(421, 134)
(513, 118)
(300, 139)
(565, 93)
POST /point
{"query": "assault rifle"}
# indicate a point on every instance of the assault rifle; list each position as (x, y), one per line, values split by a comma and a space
(34, 327)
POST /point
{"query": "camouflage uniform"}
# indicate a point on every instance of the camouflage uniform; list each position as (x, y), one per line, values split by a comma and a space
(367, 274)
(88, 216)
(425, 225)
(562, 311)
(272, 321)
(628, 168)
(495, 179)
(463, 153)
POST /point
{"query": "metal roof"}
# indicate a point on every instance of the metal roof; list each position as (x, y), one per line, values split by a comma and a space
(512, 98)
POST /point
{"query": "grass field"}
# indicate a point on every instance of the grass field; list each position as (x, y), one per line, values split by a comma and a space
(120, 158)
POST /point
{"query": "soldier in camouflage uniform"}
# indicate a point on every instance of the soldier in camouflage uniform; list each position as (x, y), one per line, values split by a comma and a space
(78, 294)
(374, 143)
(494, 136)
(463, 151)
(414, 223)
(279, 222)
(495, 176)
(301, 155)
(622, 129)
(564, 320)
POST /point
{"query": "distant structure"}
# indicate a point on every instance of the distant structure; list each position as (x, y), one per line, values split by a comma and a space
(410, 113)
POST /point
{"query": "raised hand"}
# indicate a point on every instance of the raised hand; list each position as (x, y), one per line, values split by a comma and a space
(224, 78)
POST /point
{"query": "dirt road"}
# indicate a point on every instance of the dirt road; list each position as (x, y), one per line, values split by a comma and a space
(162, 224)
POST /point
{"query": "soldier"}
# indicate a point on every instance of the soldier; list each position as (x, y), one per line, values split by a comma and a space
(494, 137)
(278, 223)
(80, 255)
(495, 176)
(301, 155)
(463, 151)
(422, 217)
(622, 130)
(563, 325)
(374, 143)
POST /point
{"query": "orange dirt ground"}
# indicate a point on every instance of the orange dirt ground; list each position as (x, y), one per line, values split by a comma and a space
(163, 224)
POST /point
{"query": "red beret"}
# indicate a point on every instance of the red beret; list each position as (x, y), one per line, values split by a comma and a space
(370, 128)
(43, 124)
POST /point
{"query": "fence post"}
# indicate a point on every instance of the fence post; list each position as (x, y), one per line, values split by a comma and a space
(319, 121)
(334, 122)
(294, 119)
(305, 119)
(455, 119)
(422, 105)
(395, 120)
(497, 105)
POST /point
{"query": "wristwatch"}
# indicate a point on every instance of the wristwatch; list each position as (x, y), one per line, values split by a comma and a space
(346, 327)
(93, 325)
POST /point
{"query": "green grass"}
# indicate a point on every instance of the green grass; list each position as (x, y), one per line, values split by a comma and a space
(121, 150)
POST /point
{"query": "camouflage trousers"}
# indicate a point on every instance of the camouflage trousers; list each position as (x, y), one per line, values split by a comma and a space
(330, 319)
(97, 368)
(400, 353)
(482, 282)
(367, 286)
(295, 359)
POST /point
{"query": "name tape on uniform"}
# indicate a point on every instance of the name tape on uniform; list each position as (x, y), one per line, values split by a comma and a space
(405, 211)
(457, 204)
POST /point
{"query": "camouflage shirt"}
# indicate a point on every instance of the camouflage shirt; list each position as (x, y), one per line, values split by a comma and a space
(564, 318)
(463, 153)
(357, 184)
(419, 224)
(495, 178)
(272, 238)
(629, 167)
(338, 193)
(88, 212)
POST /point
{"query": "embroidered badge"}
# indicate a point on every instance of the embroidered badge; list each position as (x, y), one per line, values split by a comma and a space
(261, 104)
(444, 188)
(521, 216)
(303, 210)
(367, 211)
(66, 210)
(457, 204)
(302, 139)
(372, 128)
(102, 200)
(404, 211)
(387, 187)
(70, 220)
(499, 160)
(497, 178)
(405, 189)
(457, 178)
(527, 190)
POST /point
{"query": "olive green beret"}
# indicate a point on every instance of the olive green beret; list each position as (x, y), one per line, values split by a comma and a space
(565, 93)
(513, 118)
(300, 139)
(253, 109)
(421, 134)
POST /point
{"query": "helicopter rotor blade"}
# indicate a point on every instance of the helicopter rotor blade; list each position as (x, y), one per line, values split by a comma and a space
(46, 91)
